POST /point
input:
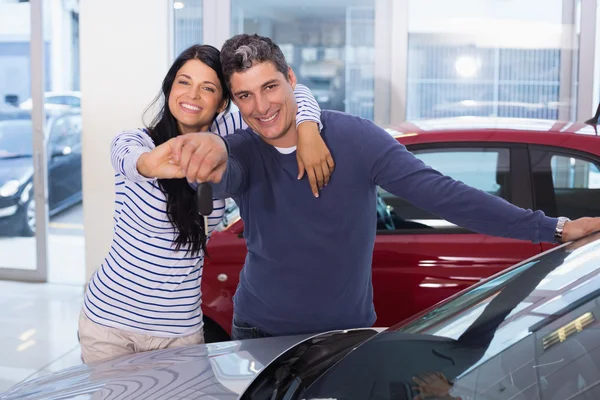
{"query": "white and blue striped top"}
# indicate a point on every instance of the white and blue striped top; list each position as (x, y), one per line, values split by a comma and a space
(144, 285)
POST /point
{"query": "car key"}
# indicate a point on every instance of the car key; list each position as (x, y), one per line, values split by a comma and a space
(204, 199)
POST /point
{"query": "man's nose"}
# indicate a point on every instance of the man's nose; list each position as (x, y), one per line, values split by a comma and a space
(262, 105)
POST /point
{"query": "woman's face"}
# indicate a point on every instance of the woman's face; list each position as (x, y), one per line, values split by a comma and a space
(196, 97)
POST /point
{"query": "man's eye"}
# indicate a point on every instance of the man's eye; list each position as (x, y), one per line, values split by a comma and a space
(243, 96)
(270, 87)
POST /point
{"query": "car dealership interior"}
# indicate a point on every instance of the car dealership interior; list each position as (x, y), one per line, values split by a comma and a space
(500, 96)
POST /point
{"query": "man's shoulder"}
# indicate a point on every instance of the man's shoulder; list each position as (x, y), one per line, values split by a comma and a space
(341, 116)
(335, 122)
(241, 134)
(243, 139)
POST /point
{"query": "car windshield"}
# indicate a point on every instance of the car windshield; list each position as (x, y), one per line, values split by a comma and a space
(15, 138)
(529, 333)
(232, 214)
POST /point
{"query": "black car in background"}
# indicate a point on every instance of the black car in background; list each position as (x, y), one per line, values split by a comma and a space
(63, 138)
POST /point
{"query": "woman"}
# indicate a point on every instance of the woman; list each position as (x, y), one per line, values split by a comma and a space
(146, 294)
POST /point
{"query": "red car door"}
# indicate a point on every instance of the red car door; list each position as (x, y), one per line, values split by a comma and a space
(220, 276)
(423, 259)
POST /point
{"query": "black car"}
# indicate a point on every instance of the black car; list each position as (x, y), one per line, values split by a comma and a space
(530, 332)
(63, 135)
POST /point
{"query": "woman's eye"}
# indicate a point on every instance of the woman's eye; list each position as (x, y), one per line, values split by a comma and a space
(212, 90)
(183, 83)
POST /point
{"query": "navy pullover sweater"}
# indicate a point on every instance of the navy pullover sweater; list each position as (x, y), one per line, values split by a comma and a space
(308, 267)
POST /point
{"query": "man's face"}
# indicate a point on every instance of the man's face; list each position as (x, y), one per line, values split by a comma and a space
(266, 100)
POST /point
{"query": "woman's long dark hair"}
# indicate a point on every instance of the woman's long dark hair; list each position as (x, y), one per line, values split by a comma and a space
(182, 209)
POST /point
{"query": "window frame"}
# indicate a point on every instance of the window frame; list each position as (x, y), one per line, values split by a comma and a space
(561, 152)
(521, 186)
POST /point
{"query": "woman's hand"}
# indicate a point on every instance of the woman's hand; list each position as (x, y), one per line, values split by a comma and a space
(313, 157)
(159, 163)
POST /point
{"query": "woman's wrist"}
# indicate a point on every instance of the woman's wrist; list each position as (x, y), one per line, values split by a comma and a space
(142, 167)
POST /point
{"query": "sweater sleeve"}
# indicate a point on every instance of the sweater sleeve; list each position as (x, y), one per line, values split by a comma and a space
(308, 108)
(125, 149)
(235, 178)
(401, 173)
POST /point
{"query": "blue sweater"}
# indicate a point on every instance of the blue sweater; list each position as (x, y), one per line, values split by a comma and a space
(308, 267)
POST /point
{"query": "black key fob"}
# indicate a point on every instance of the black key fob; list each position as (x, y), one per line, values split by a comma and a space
(204, 199)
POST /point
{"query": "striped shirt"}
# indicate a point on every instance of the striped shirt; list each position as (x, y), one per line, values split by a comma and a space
(144, 284)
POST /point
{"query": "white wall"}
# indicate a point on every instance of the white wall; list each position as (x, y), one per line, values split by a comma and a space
(124, 56)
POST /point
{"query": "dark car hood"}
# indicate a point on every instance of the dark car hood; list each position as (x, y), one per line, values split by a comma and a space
(15, 168)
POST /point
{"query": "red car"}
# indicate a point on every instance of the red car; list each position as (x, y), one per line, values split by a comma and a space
(536, 164)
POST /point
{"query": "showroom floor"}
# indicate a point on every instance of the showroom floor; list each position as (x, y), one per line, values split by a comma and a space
(38, 331)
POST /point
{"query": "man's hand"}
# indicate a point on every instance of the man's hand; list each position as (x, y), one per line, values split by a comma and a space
(159, 163)
(432, 386)
(201, 157)
(313, 157)
(579, 228)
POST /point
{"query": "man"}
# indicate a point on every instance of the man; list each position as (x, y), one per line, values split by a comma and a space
(308, 267)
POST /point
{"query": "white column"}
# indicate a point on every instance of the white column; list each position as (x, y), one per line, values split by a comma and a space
(399, 59)
(122, 65)
(216, 22)
(586, 96)
(383, 61)
(567, 61)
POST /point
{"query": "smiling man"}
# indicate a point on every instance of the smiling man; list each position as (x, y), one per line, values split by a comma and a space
(308, 267)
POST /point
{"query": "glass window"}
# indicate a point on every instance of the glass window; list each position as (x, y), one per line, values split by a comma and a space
(478, 58)
(65, 244)
(15, 138)
(564, 184)
(481, 168)
(66, 132)
(330, 47)
(66, 100)
(187, 24)
(231, 216)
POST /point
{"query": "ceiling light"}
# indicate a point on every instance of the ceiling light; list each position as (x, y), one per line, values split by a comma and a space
(178, 5)
(467, 66)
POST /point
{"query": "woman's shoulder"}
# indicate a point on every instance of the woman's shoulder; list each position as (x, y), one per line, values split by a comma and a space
(228, 123)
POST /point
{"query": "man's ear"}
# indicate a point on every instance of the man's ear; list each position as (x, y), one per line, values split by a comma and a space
(292, 77)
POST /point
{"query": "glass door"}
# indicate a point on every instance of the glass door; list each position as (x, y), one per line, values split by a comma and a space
(23, 127)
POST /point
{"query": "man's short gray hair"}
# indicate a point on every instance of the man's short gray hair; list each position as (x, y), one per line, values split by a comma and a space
(241, 52)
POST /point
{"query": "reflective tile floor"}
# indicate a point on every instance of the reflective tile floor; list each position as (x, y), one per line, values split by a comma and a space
(38, 329)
